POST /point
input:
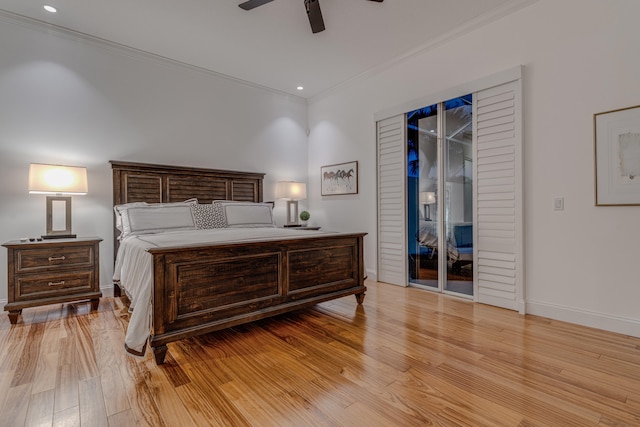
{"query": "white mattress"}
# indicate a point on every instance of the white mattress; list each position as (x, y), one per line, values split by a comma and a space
(134, 266)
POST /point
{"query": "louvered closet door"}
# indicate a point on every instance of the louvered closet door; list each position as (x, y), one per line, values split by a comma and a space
(499, 217)
(392, 248)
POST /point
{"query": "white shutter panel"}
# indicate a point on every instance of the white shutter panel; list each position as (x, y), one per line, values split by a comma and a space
(499, 215)
(392, 246)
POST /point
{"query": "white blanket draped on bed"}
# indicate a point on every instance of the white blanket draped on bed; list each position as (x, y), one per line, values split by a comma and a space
(134, 266)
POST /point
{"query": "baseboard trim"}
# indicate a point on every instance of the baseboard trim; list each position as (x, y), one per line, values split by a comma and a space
(607, 322)
(372, 275)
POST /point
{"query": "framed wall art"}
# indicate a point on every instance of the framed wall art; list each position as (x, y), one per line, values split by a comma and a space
(339, 179)
(617, 157)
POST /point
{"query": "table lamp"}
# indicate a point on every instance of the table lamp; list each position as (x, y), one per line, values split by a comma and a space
(62, 182)
(292, 192)
(427, 198)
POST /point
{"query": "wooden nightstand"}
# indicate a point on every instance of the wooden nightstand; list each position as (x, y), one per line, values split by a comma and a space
(52, 271)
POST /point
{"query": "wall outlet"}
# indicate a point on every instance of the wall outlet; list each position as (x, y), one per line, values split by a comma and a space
(558, 204)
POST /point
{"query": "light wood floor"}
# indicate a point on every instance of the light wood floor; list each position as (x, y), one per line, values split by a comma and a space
(406, 358)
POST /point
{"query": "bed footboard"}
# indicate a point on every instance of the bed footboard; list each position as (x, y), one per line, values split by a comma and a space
(199, 290)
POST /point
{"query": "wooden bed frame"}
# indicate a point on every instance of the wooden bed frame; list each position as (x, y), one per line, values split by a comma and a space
(204, 288)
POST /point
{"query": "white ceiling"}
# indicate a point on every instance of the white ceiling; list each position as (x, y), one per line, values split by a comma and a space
(272, 45)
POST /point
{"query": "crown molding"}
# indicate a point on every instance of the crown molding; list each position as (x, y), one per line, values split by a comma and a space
(506, 9)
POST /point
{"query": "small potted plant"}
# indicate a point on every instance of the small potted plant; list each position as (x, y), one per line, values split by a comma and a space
(304, 216)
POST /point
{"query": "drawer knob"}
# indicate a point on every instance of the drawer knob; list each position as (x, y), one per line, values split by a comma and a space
(60, 283)
(56, 258)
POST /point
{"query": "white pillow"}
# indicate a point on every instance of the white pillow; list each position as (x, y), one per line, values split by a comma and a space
(155, 218)
(119, 209)
(247, 214)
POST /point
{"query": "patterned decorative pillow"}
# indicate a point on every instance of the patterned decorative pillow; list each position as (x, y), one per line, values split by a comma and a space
(208, 215)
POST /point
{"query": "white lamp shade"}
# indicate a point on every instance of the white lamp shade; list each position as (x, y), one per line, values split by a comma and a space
(55, 179)
(427, 197)
(291, 190)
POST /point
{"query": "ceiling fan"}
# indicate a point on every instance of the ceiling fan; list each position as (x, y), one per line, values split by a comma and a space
(312, 6)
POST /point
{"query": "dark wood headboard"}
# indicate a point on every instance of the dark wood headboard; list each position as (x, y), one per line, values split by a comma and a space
(142, 182)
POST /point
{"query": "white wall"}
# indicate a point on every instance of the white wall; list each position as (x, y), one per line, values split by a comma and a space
(69, 100)
(581, 57)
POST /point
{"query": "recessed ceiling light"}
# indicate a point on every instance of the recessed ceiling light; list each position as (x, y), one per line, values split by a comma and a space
(50, 8)
(300, 88)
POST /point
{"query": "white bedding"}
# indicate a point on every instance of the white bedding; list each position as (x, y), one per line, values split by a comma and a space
(134, 266)
(427, 236)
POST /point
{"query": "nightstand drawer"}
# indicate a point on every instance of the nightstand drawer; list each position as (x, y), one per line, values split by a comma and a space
(52, 272)
(36, 259)
(44, 285)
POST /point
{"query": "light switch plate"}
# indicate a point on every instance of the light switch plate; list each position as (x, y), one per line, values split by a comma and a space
(558, 204)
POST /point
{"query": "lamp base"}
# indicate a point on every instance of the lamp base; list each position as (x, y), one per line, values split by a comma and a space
(58, 236)
(292, 214)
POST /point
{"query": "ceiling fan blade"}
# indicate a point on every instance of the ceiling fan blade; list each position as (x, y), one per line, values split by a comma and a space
(378, 1)
(248, 5)
(315, 15)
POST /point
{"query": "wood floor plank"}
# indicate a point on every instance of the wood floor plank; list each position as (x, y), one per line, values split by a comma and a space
(205, 377)
(10, 338)
(448, 402)
(85, 356)
(200, 407)
(26, 368)
(167, 400)
(260, 375)
(47, 362)
(174, 371)
(40, 412)
(107, 357)
(518, 397)
(45, 373)
(67, 384)
(69, 417)
(135, 388)
(92, 409)
(110, 379)
(123, 419)
(405, 357)
(16, 404)
(5, 386)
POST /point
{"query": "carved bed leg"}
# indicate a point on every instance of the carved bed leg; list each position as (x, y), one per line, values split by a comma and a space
(13, 316)
(95, 303)
(117, 292)
(160, 353)
(360, 298)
